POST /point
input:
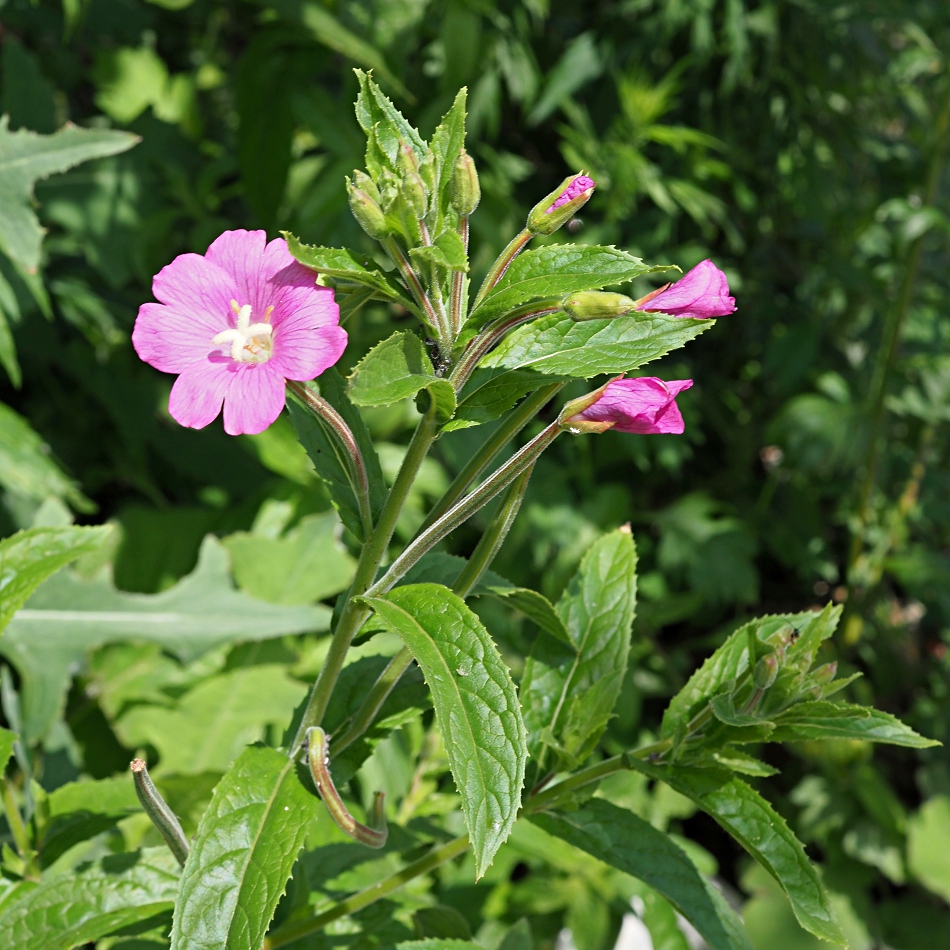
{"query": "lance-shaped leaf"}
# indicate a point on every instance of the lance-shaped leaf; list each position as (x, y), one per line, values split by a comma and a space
(824, 720)
(535, 607)
(628, 843)
(569, 689)
(385, 126)
(558, 346)
(475, 703)
(71, 910)
(48, 639)
(243, 853)
(26, 157)
(28, 558)
(752, 821)
(556, 270)
(328, 457)
(446, 143)
(396, 369)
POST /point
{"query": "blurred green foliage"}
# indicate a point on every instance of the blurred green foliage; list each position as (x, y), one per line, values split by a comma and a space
(800, 145)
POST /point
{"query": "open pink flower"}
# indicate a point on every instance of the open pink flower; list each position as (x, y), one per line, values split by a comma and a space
(235, 324)
(646, 406)
(702, 292)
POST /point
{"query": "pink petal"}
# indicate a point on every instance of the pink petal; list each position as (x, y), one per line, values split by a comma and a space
(196, 285)
(669, 420)
(254, 398)
(199, 391)
(252, 263)
(301, 352)
(170, 338)
(294, 292)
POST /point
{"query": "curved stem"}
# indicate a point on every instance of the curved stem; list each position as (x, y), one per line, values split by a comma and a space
(429, 862)
(158, 810)
(502, 263)
(354, 458)
(505, 432)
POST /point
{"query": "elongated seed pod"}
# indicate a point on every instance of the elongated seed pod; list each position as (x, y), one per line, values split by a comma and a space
(157, 809)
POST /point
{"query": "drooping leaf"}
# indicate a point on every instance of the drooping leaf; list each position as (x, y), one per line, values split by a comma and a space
(243, 853)
(556, 270)
(569, 689)
(825, 720)
(476, 705)
(558, 346)
(632, 845)
(535, 607)
(66, 617)
(752, 821)
(71, 910)
(396, 369)
(26, 157)
(210, 724)
(28, 558)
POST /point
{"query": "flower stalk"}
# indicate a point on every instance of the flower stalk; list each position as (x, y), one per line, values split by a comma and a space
(158, 811)
(502, 263)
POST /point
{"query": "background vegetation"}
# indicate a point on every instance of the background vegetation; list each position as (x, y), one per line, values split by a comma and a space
(800, 145)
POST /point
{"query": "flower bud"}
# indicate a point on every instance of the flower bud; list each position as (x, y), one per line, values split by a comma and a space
(646, 406)
(365, 183)
(701, 293)
(466, 191)
(555, 210)
(367, 212)
(765, 671)
(596, 305)
(414, 191)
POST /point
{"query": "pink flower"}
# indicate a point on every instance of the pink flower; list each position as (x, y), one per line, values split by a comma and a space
(646, 406)
(702, 292)
(575, 188)
(235, 324)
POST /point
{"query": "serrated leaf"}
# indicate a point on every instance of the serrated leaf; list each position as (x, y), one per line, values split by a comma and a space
(327, 455)
(490, 394)
(535, 607)
(824, 720)
(740, 762)
(72, 910)
(385, 126)
(68, 616)
(28, 558)
(447, 142)
(447, 250)
(340, 263)
(243, 853)
(396, 369)
(630, 844)
(476, 706)
(752, 821)
(26, 157)
(569, 689)
(556, 270)
(558, 346)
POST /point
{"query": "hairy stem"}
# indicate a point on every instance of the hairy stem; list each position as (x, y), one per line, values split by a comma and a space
(436, 320)
(456, 317)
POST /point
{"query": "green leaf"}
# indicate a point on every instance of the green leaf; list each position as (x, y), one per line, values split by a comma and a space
(28, 558)
(243, 853)
(396, 369)
(475, 703)
(340, 263)
(824, 720)
(81, 810)
(928, 857)
(26, 467)
(558, 346)
(72, 910)
(447, 250)
(630, 844)
(66, 617)
(752, 821)
(210, 724)
(569, 689)
(26, 157)
(7, 740)
(8, 358)
(446, 143)
(556, 270)
(535, 607)
(385, 126)
(327, 455)
(490, 394)
(436, 943)
(740, 762)
(308, 563)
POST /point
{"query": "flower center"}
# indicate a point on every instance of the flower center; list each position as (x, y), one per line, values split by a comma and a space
(250, 342)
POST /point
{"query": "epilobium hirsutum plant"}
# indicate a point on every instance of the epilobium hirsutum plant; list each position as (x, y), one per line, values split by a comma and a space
(250, 324)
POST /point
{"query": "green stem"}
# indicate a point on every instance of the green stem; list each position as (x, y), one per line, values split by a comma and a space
(497, 482)
(354, 614)
(354, 458)
(15, 821)
(158, 810)
(502, 263)
(437, 856)
(415, 286)
(458, 283)
(505, 432)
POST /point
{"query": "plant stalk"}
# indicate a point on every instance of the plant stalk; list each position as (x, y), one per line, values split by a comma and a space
(502, 263)
(456, 317)
(409, 275)
(158, 810)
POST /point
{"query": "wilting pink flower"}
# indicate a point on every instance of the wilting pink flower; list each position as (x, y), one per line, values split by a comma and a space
(576, 187)
(235, 324)
(702, 292)
(646, 406)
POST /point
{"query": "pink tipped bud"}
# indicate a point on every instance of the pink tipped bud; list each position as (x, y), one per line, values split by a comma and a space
(646, 406)
(765, 672)
(557, 208)
(703, 292)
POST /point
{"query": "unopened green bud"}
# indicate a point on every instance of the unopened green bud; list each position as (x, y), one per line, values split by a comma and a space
(765, 672)
(414, 191)
(823, 675)
(365, 183)
(555, 210)
(466, 191)
(596, 305)
(367, 212)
